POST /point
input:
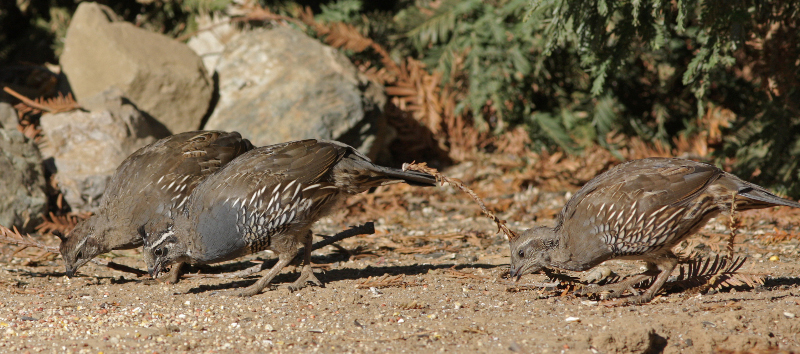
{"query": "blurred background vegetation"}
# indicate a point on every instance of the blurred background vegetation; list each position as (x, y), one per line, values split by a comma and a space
(713, 80)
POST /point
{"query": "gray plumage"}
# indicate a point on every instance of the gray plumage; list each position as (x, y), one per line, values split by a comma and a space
(638, 210)
(155, 180)
(267, 198)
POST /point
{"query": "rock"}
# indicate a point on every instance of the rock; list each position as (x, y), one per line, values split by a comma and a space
(210, 44)
(22, 182)
(163, 77)
(85, 148)
(279, 84)
(8, 116)
(628, 340)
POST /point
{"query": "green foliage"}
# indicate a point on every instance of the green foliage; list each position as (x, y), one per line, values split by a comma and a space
(347, 11)
(636, 50)
(570, 71)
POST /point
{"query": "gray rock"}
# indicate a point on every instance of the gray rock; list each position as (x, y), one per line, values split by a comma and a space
(279, 84)
(22, 183)
(161, 76)
(8, 116)
(85, 148)
(210, 44)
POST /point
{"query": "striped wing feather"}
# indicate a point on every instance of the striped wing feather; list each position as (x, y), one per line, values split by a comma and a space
(640, 207)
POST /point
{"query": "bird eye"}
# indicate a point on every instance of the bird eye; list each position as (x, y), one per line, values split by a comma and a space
(521, 253)
(159, 252)
(79, 255)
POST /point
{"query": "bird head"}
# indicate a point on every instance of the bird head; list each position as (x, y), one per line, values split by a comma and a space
(161, 246)
(80, 245)
(531, 251)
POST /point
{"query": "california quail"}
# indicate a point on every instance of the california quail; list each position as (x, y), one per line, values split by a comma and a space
(266, 199)
(155, 180)
(638, 210)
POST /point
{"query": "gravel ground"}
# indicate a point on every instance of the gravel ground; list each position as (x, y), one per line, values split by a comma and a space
(429, 280)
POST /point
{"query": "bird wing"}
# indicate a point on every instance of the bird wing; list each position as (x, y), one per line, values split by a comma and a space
(634, 207)
(263, 193)
(158, 178)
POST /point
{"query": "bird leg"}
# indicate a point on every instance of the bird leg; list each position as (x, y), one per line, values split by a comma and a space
(174, 274)
(283, 259)
(661, 269)
(307, 273)
(615, 290)
(666, 266)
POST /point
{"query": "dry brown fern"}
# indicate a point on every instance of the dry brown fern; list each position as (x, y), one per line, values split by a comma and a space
(61, 223)
(15, 237)
(410, 85)
(56, 104)
(714, 273)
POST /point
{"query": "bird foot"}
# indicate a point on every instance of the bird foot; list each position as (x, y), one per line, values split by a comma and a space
(611, 291)
(306, 276)
(174, 274)
(598, 274)
(606, 292)
(249, 291)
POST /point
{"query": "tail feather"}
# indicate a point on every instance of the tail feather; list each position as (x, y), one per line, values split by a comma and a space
(761, 195)
(413, 178)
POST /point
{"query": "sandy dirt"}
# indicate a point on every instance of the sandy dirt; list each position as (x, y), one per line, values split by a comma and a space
(431, 279)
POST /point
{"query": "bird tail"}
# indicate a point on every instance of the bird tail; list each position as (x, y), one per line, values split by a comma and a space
(761, 196)
(414, 178)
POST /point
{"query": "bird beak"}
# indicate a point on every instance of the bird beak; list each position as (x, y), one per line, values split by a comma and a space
(154, 271)
(70, 272)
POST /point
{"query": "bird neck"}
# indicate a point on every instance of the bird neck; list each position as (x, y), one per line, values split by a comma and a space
(560, 255)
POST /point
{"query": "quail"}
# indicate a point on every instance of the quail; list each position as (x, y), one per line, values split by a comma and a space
(155, 180)
(638, 210)
(267, 198)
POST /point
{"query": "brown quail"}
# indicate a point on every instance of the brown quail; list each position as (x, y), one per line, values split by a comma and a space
(638, 210)
(267, 198)
(155, 180)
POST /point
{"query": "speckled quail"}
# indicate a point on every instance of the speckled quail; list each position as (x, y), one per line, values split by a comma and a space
(638, 210)
(267, 198)
(155, 180)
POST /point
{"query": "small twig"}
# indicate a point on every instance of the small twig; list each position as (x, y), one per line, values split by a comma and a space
(15, 237)
(27, 101)
(423, 167)
(734, 225)
(366, 229)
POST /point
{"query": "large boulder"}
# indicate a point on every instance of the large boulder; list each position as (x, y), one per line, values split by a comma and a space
(84, 148)
(210, 43)
(8, 116)
(279, 84)
(22, 182)
(161, 76)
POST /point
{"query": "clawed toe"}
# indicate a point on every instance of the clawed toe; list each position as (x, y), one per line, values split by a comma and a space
(305, 278)
(606, 292)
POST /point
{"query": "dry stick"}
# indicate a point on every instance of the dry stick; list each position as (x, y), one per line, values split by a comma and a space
(27, 101)
(366, 229)
(15, 237)
(501, 224)
(734, 228)
(423, 167)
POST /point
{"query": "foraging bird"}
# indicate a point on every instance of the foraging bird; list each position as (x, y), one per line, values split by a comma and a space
(638, 210)
(155, 180)
(267, 198)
